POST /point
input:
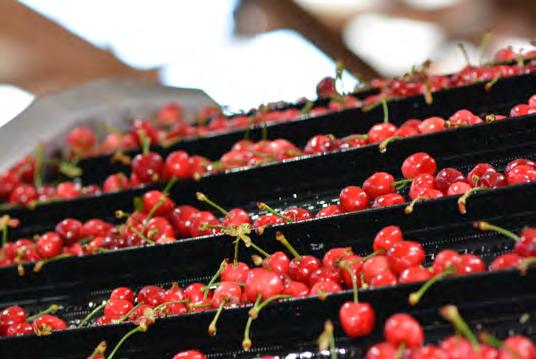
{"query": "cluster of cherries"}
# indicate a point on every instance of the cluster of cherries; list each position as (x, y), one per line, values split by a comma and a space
(15, 321)
(404, 338)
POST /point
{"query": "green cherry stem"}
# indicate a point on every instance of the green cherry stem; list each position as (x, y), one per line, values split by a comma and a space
(280, 237)
(94, 312)
(485, 226)
(415, 297)
(246, 342)
(264, 207)
(385, 110)
(40, 264)
(462, 200)
(451, 313)
(141, 328)
(53, 308)
(212, 326)
(129, 313)
(203, 198)
(215, 277)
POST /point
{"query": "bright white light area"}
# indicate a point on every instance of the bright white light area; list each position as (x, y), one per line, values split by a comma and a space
(392, 44)
(517, 43)
(340, 5)
(450, 59)
(13, 101)
(432, 4)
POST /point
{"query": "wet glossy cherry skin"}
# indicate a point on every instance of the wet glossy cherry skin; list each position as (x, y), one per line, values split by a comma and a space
(262, 282)
(386, 237)
(418, 163)
(10, 316)
(123, 293)
(387, 200)
(151, 295)
(414, 274)
(233, 273)
(301, 269)
(383, 350)
(189, 354)
(330, 210)
(378, 184)
(403, 255)
(403, 329)
(148, 167)
(116, 308)
(353, 198)
(381, 131)
(357, 319)
(49, 245)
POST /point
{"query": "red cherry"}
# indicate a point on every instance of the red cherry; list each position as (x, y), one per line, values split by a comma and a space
(151, 295)
(199, 164)
(428, 352)
(169, 114)
(178, 165)
(374, 266)
(473, 177)
(522, 110)
(115, 182)
(321, 144)
(181, 219)
(413, 122)
(49, 245)
(464, 117)
(354, 264)
(297, 214)
(432, 124)
(155, 198)
(142, 127)
(95, 228)
(407, 132)
(517, 344)
(8, 182)
(323, 288)
(446, 177)
(123, 293)
(383, 279)
(357, 319)
(469, 263)
(418, 163)
(81, 140)
(353, 198)
(19, 329)
(505, 54)
(189, 354)
(458, 188)
(335, 255)
(262, 282)
(329, 211)
(431, 193)
(10, 316)
(148, 167)
(421, 183)
(381, 131)
(301, 269)
(158, 228)
(277, 262)
(390, 199)
(324, 274)
(526, 246)
(267, 220)
(386, 237)
(414, 274)
(403, 255)
(47, 323)
(116, 308)
(69, 229)
(326, 87)
(237, 274)
(295, 289)
(403, 329)
(443, 259)
(382, 351)
(199, 219)
(236, 217)
(195, 294)
(493, 180)
(520, 161)
(23, 194)
(521, 174)
(505, 261)
(227, 292)
(378, 184)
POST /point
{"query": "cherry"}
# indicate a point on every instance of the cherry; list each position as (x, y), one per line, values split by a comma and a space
(387, 200)
(295, 289)
(351, 266)
(374, 266)
(278, 262)
(522, 110)
(458, 188)
(418, 163)
(335, 255)
(505, 54)
(48, 323)
(326, 87)
(123, 293)
(181, 219)
(69, 229)
(444, 259)
(261, 282)
(431, 193)
(23, 194)
(178, 165)
(116, 308)
(94, 228)
(115, 182)
(267, 220)
(456, 347)
(386, 237)
(297, 214)
(189, 354)
(8, 182)
(151, 295)
(446, 177)
(413, 122)
(199, 165)
(353, 198)
(526, 245)
(20, 329)
(432, 124)
(403, 329)
(81, 140)
(383, 279)
(407, 132)
(329, 211)
(473, 177)
(201, 218)
(421, 183)
(195, 294)
(323, 288)
(321, 144)
(414, 274)
(381, 131)
(378, 184)
(300, 269)
(428, 352)
(521, 174)
(521, 347)
(10, 316)
(148, 167)
(520, 161)
(505, 261)
(235, 273)
(404, 254)
(49, 245)
(469, 263)
(170, 113)
(324, 274)
(357, 319)
(464, 117)
(382, 351)
(226, 293)
(157, 203)
(144, 128)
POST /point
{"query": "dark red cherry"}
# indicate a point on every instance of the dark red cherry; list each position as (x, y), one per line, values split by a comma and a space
(301, 269)
(181, 219)
(178, 165)
(49, 245)
(277, 262)
(326, 87)
(148, 167)
(324, 274)
(446, 177)
(69, 229)
(151, 295)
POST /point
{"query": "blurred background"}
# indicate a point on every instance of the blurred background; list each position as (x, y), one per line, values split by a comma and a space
(241, 52)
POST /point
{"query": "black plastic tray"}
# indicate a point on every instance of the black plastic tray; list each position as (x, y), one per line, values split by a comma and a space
(505, 93)
(310, 181)
(494, 302)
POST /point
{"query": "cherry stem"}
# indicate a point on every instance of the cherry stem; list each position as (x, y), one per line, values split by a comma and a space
(451, 313)
(254, 312)
(165, 304)
(415, 297)
(139, 234)
(145, 141)
(212, 326)
(485, 226)
(307, 107)
(203, 198)
(383, 145)
(246, 342)
(215, 277)
(216, 284)
(400, 351)
(53, 308)
(373, 254)
(487, 338)
(162, 200)
(40, 264)
(97, 309)
(525, 263)
(129, 313)
(140, 328)
(483, 45)
(235, 259)
(361, 136)
(257, 248)
(264, 130)
(326, 340)
(347, 268)
(462, 201)
(264, 207)
(39, 155)
(489, 85)
(281, 238)
(409, 208)
(385, 110)
(99, 350)
(465, 54)
(401, 184)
